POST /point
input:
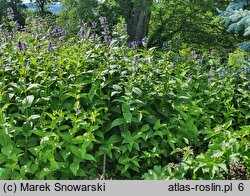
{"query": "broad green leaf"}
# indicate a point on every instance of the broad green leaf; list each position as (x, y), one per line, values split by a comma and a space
(89, 157)
(157, 125)
(4, 139)
(44, 140)
(79, 152)
(5, 106)
(74, 168)
(127, 116)
(65, 154)
(31, 86)
(34, 150)
(223, 166)
(117, 122)
(41, 174)
(7, 150)
(1, 171)
(137, 91)
(54, 165)
(28, 100)
(33, 117)
(145, 128)
(66, 137)
(34, 168)
(3, 158)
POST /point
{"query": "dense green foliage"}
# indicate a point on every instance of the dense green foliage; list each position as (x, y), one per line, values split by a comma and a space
(85, 107)
(78, 12)
(237, 17)
(192, 22)
(18, 10)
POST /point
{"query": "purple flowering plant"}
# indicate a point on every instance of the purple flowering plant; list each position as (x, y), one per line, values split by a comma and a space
(68, 107)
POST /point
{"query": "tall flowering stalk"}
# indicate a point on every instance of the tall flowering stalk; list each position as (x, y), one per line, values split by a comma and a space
(81, 33)
(106, 31)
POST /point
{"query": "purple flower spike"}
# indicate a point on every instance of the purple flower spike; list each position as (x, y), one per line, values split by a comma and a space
(56, 29)
(103, 21)
(212, 71)
(106, 30)
(223, 73)
(199, 62)
(134, 44)
(193, 52)
(17, 26)
(94, 24)
(21, 45)
(107, 38)
(94, 36)
(50, 46)
(144, 40)
(81, 33)
(136, 59)
(10, 11)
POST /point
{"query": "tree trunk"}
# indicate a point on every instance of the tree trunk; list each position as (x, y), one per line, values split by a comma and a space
(137, 18)
(41, 4)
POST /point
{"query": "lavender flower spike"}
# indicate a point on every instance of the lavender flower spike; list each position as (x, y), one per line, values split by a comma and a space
(103, 21)
(17, 26)
(21, 45)
(10, 11)
(81, 33)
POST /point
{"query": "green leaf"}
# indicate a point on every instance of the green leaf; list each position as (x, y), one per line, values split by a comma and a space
(78, 151)
(43, 173)
(54, 165)
(3, 158)
(33, 86)
(65, 154)
(34, 150)
(4, 139)
(127, 116)
(33, 168)
(28, 100)
(159, 133)
(89, 157)
(33, 117)
(4, 107)
(145, 128)
(74, 168)
(137, 91)
(7, 150)
(157, 125)
(117, 122)
(113, 139)
(1, 171)
(223, 166)
(228, 124)
(66, 137)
